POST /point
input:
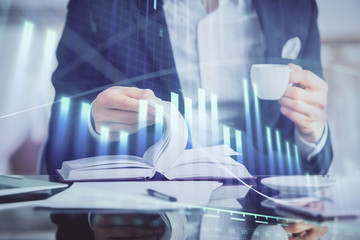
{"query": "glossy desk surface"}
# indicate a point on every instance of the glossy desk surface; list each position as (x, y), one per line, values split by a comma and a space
(234, 212)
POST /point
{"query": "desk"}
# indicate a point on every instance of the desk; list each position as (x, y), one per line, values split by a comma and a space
(224, 218)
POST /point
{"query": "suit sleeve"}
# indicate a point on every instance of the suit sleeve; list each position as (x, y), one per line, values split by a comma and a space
(78, 78)
(78, 74)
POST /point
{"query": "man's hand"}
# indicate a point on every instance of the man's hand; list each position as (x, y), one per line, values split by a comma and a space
(305, 103)
(305, 231)
(117, 108)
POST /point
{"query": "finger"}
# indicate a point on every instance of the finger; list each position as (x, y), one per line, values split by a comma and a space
(294, 67)
(103, 128)
(310, 128)
(297, 237)
(315, 233)
(316, 99)
(119, 116)
(299, 119)
(301, 107)
(114, 100)
(138, 93)
(123, 98)
(306, 79)
(297, 227)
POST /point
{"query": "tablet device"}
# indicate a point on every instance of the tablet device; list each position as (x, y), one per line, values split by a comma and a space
(11, 185)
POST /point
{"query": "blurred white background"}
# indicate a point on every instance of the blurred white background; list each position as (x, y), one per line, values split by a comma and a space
(29, 33)
(340, 34)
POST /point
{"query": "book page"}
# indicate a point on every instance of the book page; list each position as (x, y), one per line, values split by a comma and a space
(207, 162)
(177, 225)
(106, 167)
(206, 154)
(165, 152)
(169, 157)
(120, 173)
(105, 160)
(206, 170)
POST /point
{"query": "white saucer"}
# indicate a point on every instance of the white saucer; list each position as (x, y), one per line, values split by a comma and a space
(296, 201)
(298, 185)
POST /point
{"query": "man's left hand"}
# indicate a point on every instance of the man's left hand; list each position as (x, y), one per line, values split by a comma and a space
(305, 103)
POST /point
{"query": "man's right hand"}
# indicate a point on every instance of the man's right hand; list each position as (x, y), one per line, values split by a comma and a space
(117, 109)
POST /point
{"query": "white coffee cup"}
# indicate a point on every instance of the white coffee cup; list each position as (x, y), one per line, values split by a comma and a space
(270, 81)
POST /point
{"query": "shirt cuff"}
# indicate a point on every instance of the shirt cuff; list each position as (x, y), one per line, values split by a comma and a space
(308, 150)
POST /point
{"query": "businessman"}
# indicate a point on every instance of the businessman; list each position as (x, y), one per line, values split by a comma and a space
(114, 53)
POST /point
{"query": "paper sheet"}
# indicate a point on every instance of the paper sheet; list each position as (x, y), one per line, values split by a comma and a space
(132, 195)
(231, 203)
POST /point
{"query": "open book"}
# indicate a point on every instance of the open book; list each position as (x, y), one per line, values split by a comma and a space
(167, 157)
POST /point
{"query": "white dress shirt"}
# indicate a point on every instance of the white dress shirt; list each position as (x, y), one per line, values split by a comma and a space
(214, 51)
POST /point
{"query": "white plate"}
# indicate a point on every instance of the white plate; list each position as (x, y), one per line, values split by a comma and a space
(298, 185)
(291, 200)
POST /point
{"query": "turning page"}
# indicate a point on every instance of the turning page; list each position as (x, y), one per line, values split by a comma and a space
(168, 149)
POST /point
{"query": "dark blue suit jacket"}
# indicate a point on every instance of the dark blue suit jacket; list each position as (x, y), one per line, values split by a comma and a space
(120, 42)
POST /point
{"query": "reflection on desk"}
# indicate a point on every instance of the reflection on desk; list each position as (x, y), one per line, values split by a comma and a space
(165, 225)
(177, 225)
(248, 220)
